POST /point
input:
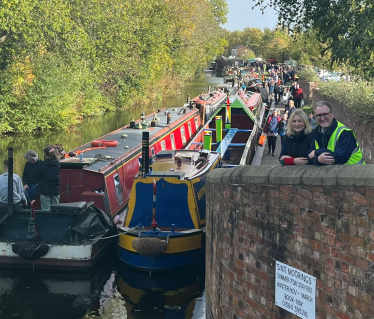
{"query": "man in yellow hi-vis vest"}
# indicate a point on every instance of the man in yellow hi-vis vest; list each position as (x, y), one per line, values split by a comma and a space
(334, 143)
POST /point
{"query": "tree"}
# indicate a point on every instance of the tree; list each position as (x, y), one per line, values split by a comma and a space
(61, 61)
(345, 27)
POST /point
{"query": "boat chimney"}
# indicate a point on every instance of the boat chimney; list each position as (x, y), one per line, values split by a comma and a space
(209, 89)
(188, 98)
(142, 116)
(145, 153)
(10, 179)
(132, 123)
(168, 118)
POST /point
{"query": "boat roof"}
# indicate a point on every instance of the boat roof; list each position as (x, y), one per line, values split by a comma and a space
(126, 145)
(166, 166)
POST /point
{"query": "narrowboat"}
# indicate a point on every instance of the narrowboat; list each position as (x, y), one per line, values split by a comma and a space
(95, 183)
(71, 236)
(103, 170)
(234, 125)
(164, 226)
(165, 223)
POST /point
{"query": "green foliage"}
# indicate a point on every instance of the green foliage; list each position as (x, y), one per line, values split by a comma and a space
(307, 74)
(62, 61)
(278, 44)
(307, 109)
(344, 27)
(358, 95)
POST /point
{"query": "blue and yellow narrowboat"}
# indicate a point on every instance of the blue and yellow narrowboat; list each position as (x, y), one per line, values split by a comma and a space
(165, 223)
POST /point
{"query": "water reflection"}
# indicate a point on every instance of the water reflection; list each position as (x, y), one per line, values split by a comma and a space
(177, 294)
(25, 294)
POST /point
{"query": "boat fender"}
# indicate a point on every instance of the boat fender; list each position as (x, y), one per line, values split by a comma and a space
(30, 250)
(108, 143)
(149, 246)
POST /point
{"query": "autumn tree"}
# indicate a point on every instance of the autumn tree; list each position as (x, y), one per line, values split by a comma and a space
(344, 27)
(62, 61)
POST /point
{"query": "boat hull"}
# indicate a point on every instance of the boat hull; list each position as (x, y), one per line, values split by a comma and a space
(182, 250)
(59, 257)
(71, 236)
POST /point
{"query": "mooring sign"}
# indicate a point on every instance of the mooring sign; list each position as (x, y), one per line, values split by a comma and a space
(295, 291)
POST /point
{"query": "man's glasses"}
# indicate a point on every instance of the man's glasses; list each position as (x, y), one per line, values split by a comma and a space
(320, 116)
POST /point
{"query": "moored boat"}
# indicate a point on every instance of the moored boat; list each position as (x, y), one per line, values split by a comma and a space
(234, 128)
(96, 180)
(165, 223)
(103, 170)
(70, 236)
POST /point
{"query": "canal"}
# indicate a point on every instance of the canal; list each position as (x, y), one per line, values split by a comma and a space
(111, 290)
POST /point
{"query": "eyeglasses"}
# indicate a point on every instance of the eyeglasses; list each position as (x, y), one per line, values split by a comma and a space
(320, 116)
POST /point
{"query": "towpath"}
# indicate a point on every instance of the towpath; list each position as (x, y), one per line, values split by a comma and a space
(261, 156)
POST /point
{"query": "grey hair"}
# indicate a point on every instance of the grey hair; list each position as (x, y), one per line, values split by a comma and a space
(323, 103)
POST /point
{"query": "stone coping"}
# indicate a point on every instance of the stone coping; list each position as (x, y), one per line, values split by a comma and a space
(338, 175)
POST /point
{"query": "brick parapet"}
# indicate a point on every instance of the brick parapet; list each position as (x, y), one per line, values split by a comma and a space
(317, 219)
(308, 90)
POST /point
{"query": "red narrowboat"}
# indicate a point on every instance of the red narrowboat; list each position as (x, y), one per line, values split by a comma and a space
(103, 170)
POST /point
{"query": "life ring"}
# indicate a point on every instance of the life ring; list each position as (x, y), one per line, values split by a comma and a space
(108, 143)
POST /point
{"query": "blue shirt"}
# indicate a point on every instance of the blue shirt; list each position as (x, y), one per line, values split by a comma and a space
(18, 193)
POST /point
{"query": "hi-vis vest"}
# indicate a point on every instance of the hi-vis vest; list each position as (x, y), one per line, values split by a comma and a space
(356, 156)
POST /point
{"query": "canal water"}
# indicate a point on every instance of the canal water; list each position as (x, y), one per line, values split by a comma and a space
(111, 290)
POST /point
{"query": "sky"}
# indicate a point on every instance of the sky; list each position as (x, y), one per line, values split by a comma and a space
(241, 16)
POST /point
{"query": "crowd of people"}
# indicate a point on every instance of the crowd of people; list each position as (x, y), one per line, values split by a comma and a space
(39, 178)
(317, 138)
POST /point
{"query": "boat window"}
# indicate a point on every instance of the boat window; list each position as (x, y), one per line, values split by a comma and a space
(172, 141)
(118, 186)
(190, 128)
(183, 134)
(196, 123)
(153, 152)
(163, 145)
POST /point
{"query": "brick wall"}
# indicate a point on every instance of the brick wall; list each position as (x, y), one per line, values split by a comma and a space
(308, 88)
(317, 219)
(346, 115)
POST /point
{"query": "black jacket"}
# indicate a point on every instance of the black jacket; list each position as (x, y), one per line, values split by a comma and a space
(296, 145)
(49, 178)
(28, 176)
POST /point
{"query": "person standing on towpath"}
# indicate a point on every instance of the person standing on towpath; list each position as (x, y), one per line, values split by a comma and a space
(334, 143)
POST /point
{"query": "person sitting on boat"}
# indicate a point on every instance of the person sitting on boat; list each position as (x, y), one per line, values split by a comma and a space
(30, 182)
(49, 178)
(297, 141)
(19, 198)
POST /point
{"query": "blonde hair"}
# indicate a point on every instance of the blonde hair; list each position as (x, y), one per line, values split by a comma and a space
(291, 102)
(307, 130)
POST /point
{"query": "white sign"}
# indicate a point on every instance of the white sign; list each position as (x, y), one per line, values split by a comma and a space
(295, 291)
